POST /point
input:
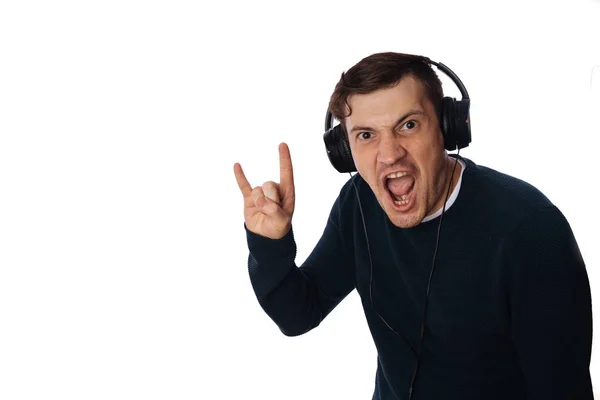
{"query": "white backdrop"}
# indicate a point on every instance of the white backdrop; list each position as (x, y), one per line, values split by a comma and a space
(122, 252)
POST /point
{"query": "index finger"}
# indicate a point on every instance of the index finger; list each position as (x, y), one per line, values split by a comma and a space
(286, 172)
(242, 182)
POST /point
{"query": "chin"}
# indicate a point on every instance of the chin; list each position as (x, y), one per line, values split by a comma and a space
(404, 221)
(407, 219)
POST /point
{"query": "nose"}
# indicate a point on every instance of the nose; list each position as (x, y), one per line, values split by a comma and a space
(390, 150)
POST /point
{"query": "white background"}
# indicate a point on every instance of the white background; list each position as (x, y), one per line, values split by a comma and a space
(123, 268)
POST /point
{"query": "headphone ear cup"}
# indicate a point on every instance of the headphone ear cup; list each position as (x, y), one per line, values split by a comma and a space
(338, 150)
(455, 123)
(447, 122)
(462, 125)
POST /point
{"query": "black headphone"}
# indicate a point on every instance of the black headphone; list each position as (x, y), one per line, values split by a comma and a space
(454, 121)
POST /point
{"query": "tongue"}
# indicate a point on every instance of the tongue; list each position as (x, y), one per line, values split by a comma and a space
(400, 186)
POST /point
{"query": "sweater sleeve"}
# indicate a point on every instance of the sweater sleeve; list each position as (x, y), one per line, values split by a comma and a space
(550, 305)
(296, 298)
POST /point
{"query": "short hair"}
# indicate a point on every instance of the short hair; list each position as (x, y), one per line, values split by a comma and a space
(384, 70)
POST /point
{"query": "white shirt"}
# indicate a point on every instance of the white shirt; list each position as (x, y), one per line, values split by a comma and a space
(452, 197)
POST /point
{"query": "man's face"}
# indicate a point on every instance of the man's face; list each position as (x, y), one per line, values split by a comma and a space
(398, 149)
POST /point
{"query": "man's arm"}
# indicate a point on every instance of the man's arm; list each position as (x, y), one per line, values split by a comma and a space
(551, 311)
(298, 299)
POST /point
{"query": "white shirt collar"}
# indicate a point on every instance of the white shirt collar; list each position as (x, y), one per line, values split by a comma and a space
(452, 197)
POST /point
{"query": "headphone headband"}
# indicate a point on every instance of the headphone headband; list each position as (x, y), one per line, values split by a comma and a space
(447, 71)
(454, 77)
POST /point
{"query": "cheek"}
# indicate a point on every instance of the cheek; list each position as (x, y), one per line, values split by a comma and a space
(361, 160)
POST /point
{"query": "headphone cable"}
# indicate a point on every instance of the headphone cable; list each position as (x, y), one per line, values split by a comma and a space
(417, 354)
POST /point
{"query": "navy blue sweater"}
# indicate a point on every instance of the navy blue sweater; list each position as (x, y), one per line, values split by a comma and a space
(509, 312)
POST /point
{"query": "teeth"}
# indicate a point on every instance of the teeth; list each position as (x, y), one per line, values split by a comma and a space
(396, 175)
(403, 200)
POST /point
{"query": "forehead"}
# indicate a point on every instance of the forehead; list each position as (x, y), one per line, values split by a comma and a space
(383, 106)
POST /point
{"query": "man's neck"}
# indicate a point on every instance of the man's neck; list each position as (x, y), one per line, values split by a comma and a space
(451, 196)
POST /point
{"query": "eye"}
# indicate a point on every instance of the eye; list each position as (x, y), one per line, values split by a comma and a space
(364, 136)
(412, 124)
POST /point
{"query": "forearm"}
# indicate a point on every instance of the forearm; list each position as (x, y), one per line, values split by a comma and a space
(294, 305)
(298, 298)
(281, 289)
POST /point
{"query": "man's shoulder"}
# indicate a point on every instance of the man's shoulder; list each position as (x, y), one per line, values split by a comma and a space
(355, 195)
(500, 197)
(348, 193)
(496, 186)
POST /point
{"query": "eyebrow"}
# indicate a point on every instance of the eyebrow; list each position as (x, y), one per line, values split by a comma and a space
(398, 122)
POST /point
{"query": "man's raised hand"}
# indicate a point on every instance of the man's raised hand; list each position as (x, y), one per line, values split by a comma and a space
(268, 209)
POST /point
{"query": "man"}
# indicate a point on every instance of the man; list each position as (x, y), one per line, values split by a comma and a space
(505, 314)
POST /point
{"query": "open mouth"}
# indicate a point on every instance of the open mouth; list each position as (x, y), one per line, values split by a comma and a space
(400, 186)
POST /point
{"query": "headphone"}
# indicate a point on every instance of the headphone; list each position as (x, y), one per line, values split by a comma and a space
(454, 123)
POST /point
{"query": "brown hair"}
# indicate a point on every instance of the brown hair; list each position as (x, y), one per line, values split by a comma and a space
(383, 70)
